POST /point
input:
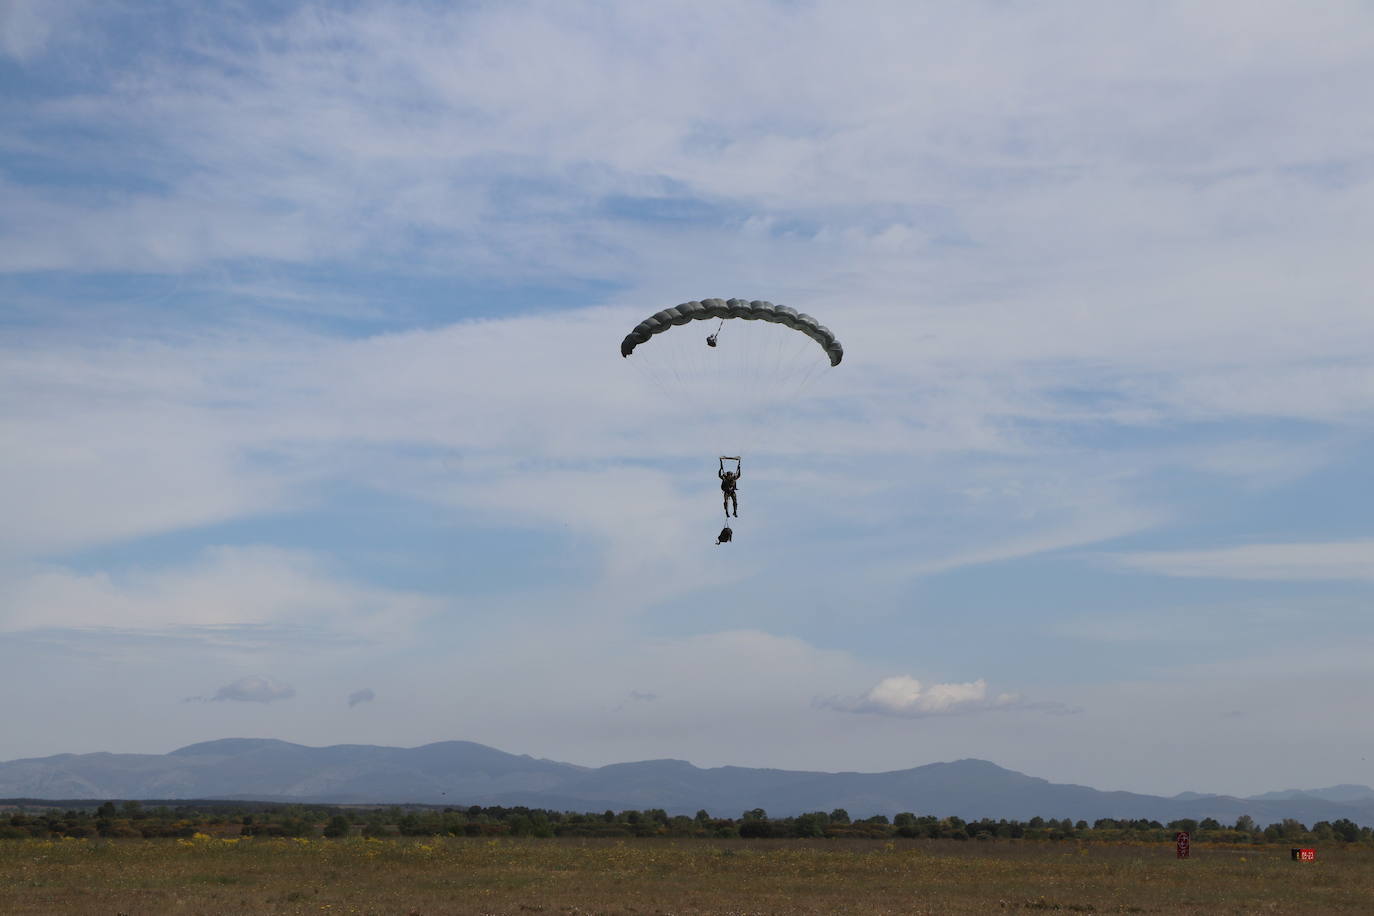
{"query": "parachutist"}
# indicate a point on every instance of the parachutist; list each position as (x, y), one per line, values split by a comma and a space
(725, 535)
(728, 479)
(742, 379)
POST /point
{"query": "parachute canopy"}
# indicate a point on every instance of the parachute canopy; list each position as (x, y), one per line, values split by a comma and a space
(756, 310)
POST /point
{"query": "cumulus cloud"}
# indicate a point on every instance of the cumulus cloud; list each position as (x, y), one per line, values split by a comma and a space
(254, 690)
(906, 697)
(366, 695)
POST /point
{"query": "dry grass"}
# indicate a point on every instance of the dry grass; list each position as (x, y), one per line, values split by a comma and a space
(471, 876)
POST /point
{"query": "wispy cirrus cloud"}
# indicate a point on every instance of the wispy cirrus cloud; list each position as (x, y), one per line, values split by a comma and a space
(225, 593)
(27, 26)
(1311, 561)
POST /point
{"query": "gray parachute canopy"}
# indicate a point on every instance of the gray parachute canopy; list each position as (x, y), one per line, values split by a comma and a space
(757, 310)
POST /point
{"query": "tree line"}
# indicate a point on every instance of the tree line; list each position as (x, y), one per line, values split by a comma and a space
(132, 819)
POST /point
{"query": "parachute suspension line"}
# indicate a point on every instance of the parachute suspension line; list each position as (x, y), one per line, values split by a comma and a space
(705, 362)
(747, 332)
(675, 361)
(755, 359)
(656, 379)
(679, 360)
(782, 361)
(806, 379)
(796, 378)
(741, 397)
(761, 363)
(699, 364)
(746, 379)
(652, 372)
(766, 381)
(777, 360)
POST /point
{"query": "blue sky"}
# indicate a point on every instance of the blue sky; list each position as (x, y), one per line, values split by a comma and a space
(315, 426)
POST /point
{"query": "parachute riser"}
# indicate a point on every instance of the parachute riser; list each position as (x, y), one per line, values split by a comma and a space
(711, 338)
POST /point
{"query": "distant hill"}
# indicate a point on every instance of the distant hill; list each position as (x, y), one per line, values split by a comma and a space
(1341, 793)
(462, 773)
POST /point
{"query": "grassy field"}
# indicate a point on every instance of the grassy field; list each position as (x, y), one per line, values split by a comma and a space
(470, 876)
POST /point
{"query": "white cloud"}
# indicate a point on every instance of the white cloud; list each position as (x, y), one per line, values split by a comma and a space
(906, 697)
(488, 129)
(26, 26)
(254, 690)
(1321, 561)
(108, 440)
(922, 141)
(903, 694)
(1085, 525)
(225, 587)
(156, 442)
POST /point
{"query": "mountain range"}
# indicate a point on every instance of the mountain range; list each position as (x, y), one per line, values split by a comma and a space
(462, 773)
